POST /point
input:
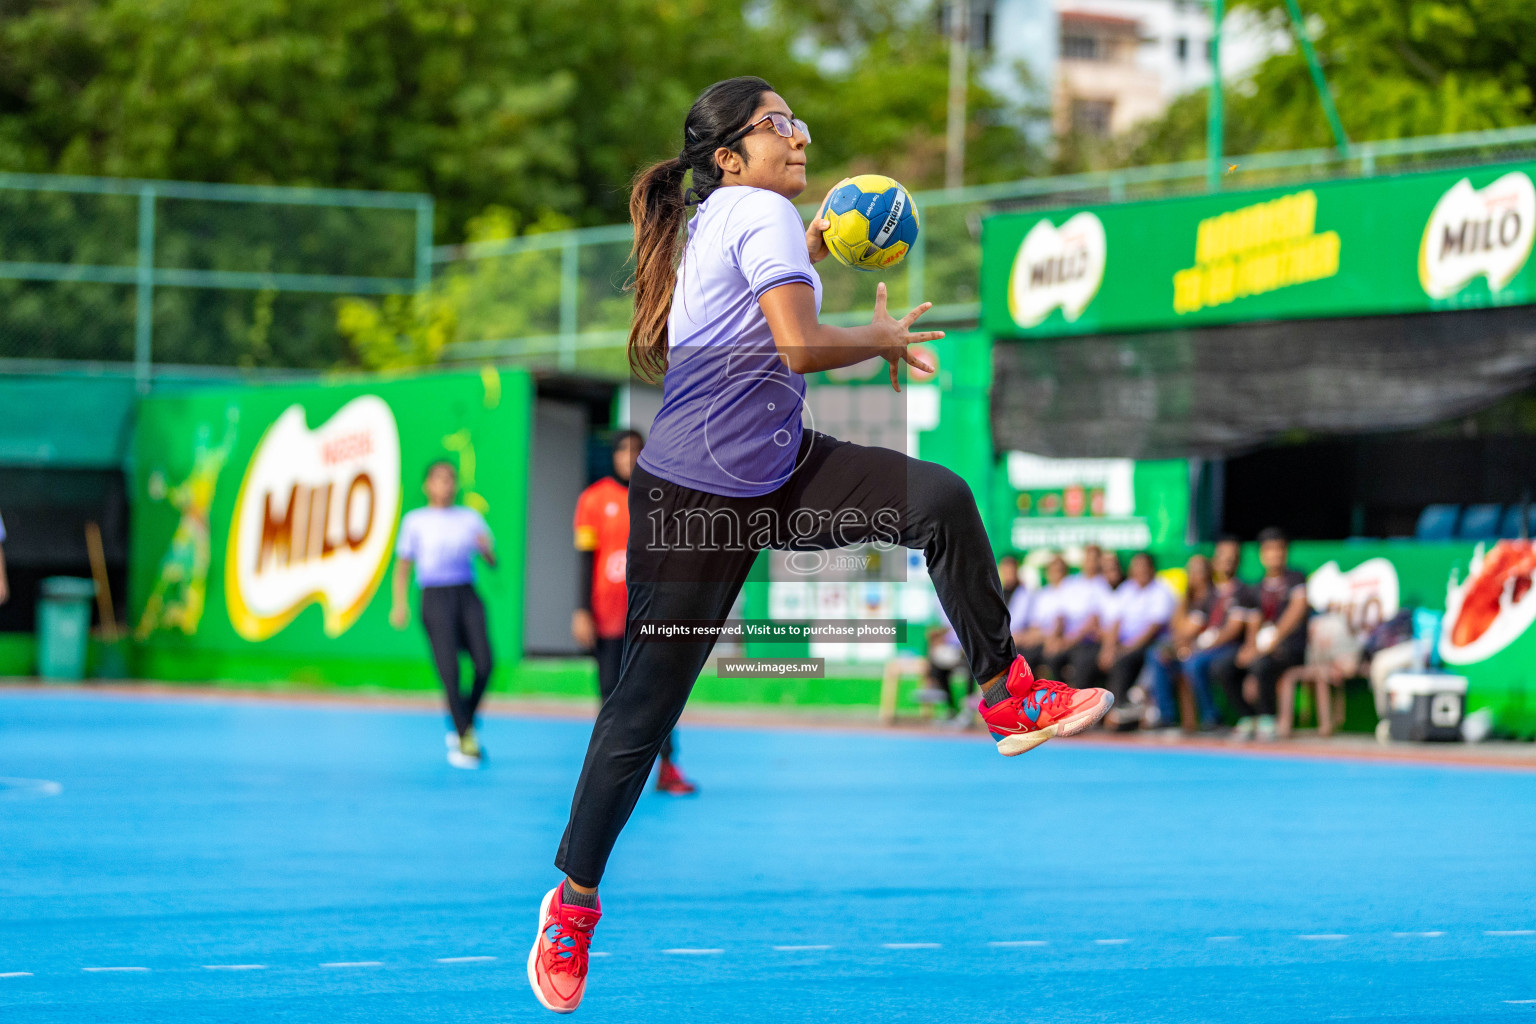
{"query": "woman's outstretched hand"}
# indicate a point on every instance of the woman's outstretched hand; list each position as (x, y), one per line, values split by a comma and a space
(898, 335)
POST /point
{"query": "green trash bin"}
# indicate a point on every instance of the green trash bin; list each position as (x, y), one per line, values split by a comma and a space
(63, 626)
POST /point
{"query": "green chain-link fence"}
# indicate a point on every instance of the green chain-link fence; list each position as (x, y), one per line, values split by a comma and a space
(161, 272)
(556, 300)
(171, 273)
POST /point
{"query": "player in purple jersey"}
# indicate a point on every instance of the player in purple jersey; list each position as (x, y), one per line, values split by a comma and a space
(728, 320)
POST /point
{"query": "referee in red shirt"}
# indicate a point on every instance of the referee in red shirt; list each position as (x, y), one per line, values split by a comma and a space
(597, 625)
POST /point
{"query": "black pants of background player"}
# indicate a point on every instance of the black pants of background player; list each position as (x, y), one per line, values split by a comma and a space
(933, 510)
(1082, 658)
(455, 621)
(609, 651)
(1288, 653)
(939, 679)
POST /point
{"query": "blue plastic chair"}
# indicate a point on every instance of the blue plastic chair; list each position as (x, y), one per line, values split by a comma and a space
(1510, 530)
(1437, 522)
(1481, 522)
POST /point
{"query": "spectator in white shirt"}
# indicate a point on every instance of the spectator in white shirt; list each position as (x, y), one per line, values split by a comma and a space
(1032, 613)
(1080, 603)
(1142, 608)
(1112, 570)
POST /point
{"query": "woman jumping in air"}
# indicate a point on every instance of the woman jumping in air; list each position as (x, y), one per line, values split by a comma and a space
(728, 319)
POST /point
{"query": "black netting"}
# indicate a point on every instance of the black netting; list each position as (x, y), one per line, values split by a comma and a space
(1223, 390)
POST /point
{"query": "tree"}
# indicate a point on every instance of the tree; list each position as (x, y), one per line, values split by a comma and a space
(533, 106)
(1397, 68)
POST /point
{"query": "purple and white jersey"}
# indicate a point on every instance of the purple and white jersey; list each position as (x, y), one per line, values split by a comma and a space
(730, 409)
(443, 543)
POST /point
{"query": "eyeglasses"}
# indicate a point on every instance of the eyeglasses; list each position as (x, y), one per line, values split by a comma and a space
(785, 126)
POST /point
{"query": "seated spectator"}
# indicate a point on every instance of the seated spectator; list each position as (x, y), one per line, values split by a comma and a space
(945, 657)
(1209, 629)
(1184, 628)
(1032, 614)
(1138, 615)
(944, 654)
(1074, 644)
(1114, 573)
(1391, 648)
(1008, 575)
(1334, 655)
(1276, 641)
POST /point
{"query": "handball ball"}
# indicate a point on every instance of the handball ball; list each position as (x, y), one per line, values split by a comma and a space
(874, 222)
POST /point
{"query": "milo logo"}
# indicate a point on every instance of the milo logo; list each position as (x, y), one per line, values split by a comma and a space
(1473, 233)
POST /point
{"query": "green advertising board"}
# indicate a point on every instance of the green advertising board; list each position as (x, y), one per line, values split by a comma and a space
(265, 517)
(1120, 504)
(1407, 243)
(1484, 591)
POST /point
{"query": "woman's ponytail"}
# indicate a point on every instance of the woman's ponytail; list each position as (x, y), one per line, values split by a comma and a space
(658, 208)
(658, 211)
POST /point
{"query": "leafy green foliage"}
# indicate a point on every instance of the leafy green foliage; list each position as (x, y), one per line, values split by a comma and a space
(538, 107)
(1397, 68)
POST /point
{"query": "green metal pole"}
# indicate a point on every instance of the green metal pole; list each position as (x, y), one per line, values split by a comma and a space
(916, 260)
(1324, 94)
(144, 299)
(570, 280)
(424, 214)
(1214, 113)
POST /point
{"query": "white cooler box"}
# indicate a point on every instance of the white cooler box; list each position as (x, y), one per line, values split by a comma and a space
(1425, 705)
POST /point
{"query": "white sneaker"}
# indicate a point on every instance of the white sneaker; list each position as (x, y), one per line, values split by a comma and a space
(1244, 729)
(1267, 729)
(452, 740)
(459, 759)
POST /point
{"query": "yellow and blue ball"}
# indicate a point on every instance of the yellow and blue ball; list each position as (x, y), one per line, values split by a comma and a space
(874, 222)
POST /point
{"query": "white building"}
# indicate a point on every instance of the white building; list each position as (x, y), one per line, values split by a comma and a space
(1120, 62)
(1106, 64)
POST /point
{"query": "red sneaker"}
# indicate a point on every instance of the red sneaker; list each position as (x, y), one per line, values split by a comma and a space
(557, 964)
(1037, 710)
(670, 780)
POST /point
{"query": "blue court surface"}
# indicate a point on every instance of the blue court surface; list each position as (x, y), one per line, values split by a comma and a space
(182, 860)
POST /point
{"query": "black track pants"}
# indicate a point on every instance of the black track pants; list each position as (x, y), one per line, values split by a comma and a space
(455, 621)
(689, 552)
(609, 653)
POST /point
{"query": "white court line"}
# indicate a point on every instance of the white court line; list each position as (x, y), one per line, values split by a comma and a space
(466, 959)
(1111, 942)
(355, 963)
(29, 787)
(1417, 935)
(599, 953)
(1513, 931)
(234, 967)
(1323, 938)
(16, 974)
(693, 952)
(1223, 938)
(97, 970)
(910, 945)
(1011, 943)
(1519, 1002)
(798, 949)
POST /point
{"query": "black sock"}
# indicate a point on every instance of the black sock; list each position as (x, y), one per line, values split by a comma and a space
(577, 899)
(997, 692)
